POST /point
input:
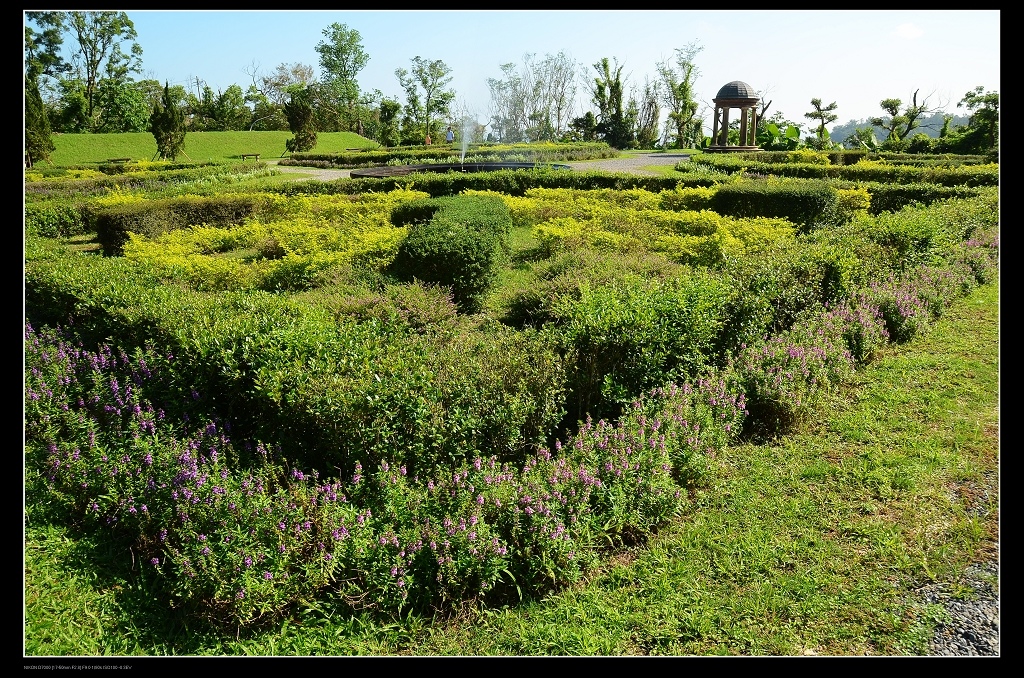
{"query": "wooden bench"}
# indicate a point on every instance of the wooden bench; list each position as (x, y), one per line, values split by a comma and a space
(119, 159)
(250, 155)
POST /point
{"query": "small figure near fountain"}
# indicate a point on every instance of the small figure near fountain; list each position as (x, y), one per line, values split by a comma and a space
(449, 136)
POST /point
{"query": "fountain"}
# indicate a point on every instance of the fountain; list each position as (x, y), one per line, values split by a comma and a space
(467, 131)
(468, 127)
(402, 170)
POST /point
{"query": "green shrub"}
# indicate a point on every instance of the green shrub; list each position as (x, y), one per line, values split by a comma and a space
(54, 219)
(894, 197)
(458, 248)
(804, 203)
(154, 217)
(625, 338)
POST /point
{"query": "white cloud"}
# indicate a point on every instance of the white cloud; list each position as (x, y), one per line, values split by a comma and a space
(909, 31)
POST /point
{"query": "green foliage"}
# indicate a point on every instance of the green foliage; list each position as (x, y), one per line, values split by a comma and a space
(38, 143)
(150, 218)
(54, 219)
(771, 138)
(167, 123)
(894, 197)
(218, 111)
(299, 111)
(124, 107)
(457, 248)
(806, 204)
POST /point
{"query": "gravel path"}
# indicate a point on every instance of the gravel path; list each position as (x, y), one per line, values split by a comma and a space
(970, 625)
(633, 163)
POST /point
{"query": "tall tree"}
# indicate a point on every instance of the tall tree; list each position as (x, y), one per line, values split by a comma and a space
(428, 100)
(167, 123)
(300, 120)
(99, 36)
(534, 102)
(677, 79)
(341, 58)
(824, 116)
(38, 141)
(648, 112)
(43, 45)
(607, 88)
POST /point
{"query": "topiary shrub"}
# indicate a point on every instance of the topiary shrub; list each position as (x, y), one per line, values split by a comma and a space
(457, 248)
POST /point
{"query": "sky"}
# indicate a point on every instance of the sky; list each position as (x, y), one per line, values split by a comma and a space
(855, 58)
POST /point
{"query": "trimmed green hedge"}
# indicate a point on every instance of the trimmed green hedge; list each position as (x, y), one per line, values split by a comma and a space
(510, 182)
(155, 217)
(458, 247)
(803, 203)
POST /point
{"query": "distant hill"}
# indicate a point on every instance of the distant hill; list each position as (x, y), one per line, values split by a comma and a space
(930, 125)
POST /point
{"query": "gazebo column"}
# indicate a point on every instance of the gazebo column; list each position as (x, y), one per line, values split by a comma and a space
(724, 141)
(743, 127)
(714, 125)
(753, 124)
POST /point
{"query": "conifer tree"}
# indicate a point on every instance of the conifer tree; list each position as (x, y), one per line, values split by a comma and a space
(167, 123)
(300, 121)
(38, 142)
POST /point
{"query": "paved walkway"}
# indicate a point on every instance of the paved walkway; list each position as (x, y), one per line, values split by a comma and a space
(632, 163)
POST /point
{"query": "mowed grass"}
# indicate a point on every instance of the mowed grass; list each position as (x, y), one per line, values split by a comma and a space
(813, 544)
(85, 149)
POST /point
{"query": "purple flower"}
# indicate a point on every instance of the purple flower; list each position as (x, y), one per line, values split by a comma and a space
(268, 576)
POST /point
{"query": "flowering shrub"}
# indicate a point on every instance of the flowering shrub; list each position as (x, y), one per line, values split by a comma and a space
(785, 377)
(241, 536)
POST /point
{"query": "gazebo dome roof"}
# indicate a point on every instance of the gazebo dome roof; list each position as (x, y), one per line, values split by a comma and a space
(736, 90)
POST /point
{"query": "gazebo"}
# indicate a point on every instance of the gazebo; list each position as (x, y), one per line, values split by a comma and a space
(735, 94)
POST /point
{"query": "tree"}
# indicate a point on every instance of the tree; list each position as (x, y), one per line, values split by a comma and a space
(421, 114)
(583, 128)
(677, 91)
(99, 36)
(824, 116)
(167, 123)
(300, 121)
(899, 125)
(612, 125)
(341, 58)
(387, 119)
(38, 141)
(648, 112)
(535, 102)
(984, 108)
(42, 47)
(71, 110)
(268, 94)
(220, 111)
(123, 106)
